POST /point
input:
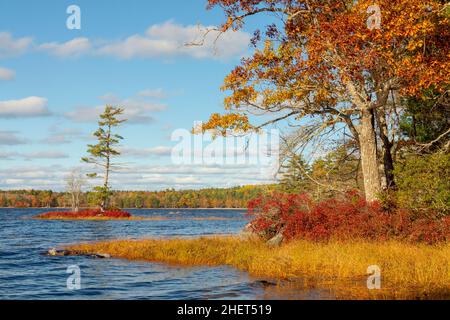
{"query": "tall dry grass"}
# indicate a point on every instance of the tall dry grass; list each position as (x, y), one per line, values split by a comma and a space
(407, 270)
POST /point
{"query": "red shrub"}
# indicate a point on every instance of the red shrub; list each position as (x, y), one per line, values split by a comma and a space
(344, 218)
(85, 214)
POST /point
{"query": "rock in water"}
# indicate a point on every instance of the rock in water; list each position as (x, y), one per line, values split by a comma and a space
(62, 253)
(54, 252)
(276, 241)
(247, 232)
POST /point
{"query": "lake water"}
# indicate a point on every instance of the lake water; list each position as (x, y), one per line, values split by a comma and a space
(27, 274)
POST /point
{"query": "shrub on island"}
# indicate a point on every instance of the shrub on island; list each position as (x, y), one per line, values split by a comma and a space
(86, 214)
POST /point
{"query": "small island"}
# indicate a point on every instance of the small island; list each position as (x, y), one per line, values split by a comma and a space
(98, 215)
(100, 156)
(90, 214)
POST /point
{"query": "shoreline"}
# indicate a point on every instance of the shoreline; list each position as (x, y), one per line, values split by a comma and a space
(409, 271)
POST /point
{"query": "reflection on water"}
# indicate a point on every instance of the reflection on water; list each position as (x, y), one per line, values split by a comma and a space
(26, 274)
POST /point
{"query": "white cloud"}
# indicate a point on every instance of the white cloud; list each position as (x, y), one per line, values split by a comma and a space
(72, 48)
(170, 39)
(138, 110)
(10, 138)
(28, 177)
(187, 180)
(44, 155)
(7, 74)
(63, 136)
(27, 107)
(145, 152)
(47, 155)
(84, 114)
(139, 177)
(10, 47)
(6, 155)
(153, 93)
(165, 40)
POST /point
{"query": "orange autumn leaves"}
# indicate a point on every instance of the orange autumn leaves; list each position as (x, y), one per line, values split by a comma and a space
(306, 62)
(225, 124)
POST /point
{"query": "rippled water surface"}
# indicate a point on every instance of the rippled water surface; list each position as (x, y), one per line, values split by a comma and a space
(27, 274)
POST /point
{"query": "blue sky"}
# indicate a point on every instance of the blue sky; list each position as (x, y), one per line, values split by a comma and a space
(54, 81)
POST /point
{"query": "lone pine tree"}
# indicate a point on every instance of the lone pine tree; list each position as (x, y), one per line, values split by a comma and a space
(102, 153)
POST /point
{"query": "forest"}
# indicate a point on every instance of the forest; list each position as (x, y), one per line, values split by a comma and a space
(207, 198)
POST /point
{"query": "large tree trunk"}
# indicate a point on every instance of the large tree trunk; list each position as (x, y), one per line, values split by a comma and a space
(388, 161)
(368, 149)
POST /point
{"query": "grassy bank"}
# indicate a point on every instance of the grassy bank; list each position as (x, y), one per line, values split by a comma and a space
(408, 271)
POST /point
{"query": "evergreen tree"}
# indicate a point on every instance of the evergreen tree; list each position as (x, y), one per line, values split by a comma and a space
(102, 153)
(294, 174)
(426, 120)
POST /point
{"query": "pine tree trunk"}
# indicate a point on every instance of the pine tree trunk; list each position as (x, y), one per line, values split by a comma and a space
(104, 204)
(368, 149)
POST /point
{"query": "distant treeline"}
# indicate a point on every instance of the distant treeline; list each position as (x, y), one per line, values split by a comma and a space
(206, 198)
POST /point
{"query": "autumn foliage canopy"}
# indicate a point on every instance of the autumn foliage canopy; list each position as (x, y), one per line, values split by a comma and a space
(322, 59)
(322, 46)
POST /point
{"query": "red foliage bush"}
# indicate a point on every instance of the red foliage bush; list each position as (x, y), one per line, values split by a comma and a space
(344, 218)
(92, 213)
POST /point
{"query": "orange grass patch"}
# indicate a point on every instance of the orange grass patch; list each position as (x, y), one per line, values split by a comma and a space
(408, 271)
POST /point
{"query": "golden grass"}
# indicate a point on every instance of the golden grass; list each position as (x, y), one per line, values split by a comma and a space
(408, 271)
